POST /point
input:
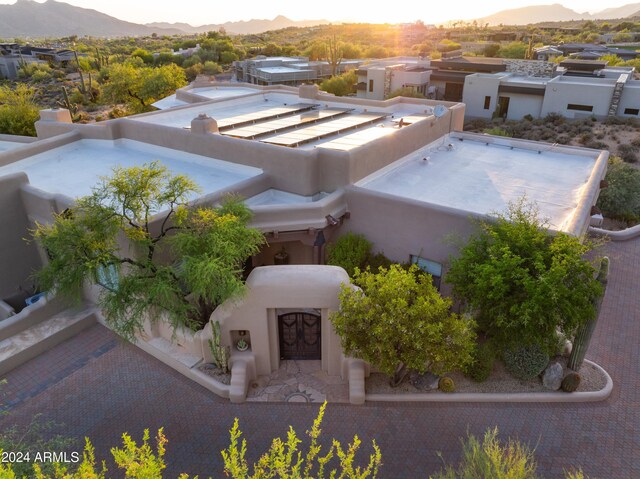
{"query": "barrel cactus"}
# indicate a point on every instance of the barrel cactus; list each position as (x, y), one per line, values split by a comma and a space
(571, 382)
(446, 384)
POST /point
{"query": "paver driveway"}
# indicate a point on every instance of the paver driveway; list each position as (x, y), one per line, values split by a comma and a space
(99, 387)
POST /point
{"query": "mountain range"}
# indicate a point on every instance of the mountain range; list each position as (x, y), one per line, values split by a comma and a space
(556, 13)
(30, 19)
(27, 18)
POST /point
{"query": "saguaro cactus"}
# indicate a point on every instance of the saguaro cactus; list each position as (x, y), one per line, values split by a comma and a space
(583, 336)
(220, 353)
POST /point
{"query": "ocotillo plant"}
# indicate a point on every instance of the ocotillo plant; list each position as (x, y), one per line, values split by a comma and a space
(583, 336)
(220, 353)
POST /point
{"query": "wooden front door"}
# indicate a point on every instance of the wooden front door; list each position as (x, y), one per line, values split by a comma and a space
(299, 336)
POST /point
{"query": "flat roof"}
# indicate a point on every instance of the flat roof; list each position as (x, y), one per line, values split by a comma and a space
(73, 169)
(214, 92)
(257, 110)
(169, 102)
(10, 145)
(282, 70)
(483, 178)
(273, 196)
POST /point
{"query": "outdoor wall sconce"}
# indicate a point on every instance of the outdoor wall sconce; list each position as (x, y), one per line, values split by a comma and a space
(331, 220)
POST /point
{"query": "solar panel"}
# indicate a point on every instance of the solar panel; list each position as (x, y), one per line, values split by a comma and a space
(320, 130)
(267, 114)
(289, 122)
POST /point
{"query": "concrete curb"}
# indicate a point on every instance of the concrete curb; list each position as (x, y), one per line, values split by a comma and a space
(550, 397)
(622, 235)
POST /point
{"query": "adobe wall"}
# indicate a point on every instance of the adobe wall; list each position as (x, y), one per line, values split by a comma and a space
(18, 258)
(281, 287)
(400, 227)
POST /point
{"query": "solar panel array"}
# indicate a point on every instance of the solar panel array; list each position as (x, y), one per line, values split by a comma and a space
(289, 122)
(321, 130)
(263, 115)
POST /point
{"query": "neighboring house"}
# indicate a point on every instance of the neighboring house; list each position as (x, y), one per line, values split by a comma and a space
(379, 78)
(13, 55)
(185, 52)
(312, 167)
(294, 71)
(609, 92)
(547, 53)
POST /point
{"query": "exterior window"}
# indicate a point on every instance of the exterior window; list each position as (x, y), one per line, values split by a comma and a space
(428, 266)
(370, 85)
(572, 106)
(107, 276)
(631, 111)
(487, 102)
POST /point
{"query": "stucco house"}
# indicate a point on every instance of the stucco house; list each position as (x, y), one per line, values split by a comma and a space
(311, 166)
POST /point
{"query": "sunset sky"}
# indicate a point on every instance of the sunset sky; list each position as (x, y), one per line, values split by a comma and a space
(199, 12)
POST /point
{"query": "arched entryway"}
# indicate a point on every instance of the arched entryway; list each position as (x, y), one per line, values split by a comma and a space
(299, 335)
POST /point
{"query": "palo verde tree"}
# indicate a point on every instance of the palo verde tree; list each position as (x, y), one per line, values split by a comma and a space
(524, 283)
(398, 321)
(137, 85)
(201, 250)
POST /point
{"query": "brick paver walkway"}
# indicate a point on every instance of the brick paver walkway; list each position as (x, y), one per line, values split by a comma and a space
(99, 387)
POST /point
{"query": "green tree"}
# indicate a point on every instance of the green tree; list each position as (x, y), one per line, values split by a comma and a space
(206, 248)
(18, 110)
(513, 50)
(621, 199)
(491, 50)
(398, 321)
(447, 45)
(145, 55)
(340, 85)
(139, 86)
(524, 283)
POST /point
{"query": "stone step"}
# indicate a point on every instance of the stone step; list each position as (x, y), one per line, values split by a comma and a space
(175, 351)
(33, 341)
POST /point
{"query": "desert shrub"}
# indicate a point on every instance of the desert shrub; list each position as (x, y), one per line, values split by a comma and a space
(554, 119)
(118, 112)
(497, 132)
(193, 71)
(585, 138)
(478, 124)
(18, 110)
(628, 153)
(482, 365)
(563, 139)
(621, 199)
(528, 117)
(211, 68)
(491, 458)
(526, 362)
(636, 142)
(350, 251)
(377, 261)
(596, 145)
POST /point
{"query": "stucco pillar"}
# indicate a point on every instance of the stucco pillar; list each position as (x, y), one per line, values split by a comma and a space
(308, 91)
(59, 115)
(203, 123)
